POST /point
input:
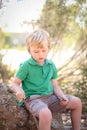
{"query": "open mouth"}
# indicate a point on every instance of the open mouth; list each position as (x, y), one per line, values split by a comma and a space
(40, 58)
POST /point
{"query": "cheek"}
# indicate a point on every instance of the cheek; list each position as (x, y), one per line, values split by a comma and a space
(34, 55)
(46, 53)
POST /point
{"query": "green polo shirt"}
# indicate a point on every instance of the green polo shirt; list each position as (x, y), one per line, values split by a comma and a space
(36, 78)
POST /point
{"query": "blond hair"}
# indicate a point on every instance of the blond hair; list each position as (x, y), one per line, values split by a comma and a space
(38, 38)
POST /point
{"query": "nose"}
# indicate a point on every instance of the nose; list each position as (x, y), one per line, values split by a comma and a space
(40, 54)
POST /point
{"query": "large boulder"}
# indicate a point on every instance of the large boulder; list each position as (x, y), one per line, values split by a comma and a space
(13, 117)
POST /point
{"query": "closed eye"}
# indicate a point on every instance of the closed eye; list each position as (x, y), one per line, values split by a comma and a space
(43, 50)
(36, 51)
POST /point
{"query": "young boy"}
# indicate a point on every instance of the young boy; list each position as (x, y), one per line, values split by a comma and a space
(36, 82)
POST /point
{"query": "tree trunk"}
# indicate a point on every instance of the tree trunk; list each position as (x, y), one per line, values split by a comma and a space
(57, 122)
(13, 117)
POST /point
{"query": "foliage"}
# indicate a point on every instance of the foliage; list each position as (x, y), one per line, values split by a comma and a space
(2, 38)
(5, 72)
(64, 21)
(12, 40)
(5, 40)
(81, 83)
(8, 40)
(73, 75)
(3, 3)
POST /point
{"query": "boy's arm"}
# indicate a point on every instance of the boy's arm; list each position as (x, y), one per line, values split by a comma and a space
(17, 89)
(59, 93)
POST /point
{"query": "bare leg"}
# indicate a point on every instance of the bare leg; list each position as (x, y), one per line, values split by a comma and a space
(45, 118)
(76, 109)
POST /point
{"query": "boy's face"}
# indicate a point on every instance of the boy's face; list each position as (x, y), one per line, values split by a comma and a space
(39, 54)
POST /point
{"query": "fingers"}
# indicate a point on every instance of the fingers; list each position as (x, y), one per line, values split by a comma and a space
(20, 96)
(64, 101)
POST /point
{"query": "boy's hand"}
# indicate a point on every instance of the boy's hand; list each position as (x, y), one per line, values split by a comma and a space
(20, 95)
(17, 89)
(63, 101)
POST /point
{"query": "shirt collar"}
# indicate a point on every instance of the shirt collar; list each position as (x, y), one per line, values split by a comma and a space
(33, 62)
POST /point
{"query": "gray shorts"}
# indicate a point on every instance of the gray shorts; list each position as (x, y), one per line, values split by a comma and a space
(36, 103)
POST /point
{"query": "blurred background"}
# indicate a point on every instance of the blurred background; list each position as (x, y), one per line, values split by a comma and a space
(65, 20)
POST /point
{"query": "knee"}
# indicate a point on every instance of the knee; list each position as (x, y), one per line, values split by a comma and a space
(75, 103)
(78, 102)
(45, 114)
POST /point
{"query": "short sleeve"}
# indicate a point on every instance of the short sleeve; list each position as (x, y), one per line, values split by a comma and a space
(55, 71)
(23, 71)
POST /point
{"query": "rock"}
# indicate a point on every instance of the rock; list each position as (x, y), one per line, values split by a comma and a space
(13, 117)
